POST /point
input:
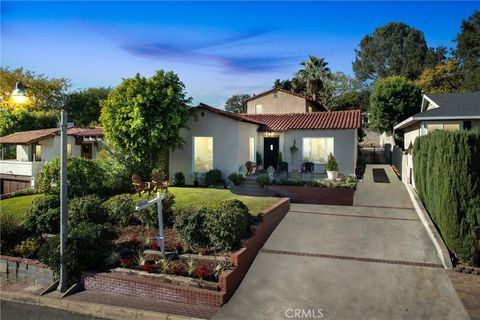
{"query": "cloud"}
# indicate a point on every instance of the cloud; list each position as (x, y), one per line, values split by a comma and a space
(232, 53)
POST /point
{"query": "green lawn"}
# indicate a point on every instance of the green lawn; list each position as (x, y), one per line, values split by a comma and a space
(186, 197)
(17, 206)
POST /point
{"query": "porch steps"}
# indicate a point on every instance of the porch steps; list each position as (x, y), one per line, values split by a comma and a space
(250, 188)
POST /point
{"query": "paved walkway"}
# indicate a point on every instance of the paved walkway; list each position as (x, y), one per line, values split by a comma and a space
(370, 261)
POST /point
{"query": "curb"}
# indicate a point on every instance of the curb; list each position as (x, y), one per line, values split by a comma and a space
(88, 308)
(437, 240)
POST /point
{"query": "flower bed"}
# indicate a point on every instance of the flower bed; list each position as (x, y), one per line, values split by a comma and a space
(315, 195)
(198, 287)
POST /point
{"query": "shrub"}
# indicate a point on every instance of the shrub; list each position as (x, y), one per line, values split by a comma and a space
(121, 210)
(149, 216)
(447, 179)
(237, 178)
(190, 225)
(259, 159)
(332, 164)
(360, 170)
(213, 177)
(27, 248)
(19, 193)
(179, 180)
(262, 180)
(227, 224)
(117, 176)
(89, 245)
(88, 208)
(12, 232)
(44, 215)
(84, 177)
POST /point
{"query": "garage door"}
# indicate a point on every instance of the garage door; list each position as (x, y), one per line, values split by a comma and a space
(14, 185)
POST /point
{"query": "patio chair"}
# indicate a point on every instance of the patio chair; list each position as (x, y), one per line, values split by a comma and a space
(308, 167)
(251, 166)
(159, 183)
(140, 186)
(283, 167)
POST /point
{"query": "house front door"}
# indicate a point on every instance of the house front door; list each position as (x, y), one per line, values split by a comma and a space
(86, 150)
(270, 152)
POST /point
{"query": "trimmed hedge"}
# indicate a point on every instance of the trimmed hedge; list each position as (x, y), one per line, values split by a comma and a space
(447, 179)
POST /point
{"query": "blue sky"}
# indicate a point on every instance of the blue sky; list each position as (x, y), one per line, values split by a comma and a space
(217, 48)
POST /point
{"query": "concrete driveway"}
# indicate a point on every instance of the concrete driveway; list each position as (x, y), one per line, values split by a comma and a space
(370, 261)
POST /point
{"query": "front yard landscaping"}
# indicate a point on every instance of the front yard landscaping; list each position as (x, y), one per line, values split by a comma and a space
(17, 206)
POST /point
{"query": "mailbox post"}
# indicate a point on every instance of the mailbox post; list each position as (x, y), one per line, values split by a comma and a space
(158, 201)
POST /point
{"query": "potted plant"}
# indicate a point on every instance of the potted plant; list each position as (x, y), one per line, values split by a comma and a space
(195, 180)
(332, 167)
(259, 160)
(293, 152)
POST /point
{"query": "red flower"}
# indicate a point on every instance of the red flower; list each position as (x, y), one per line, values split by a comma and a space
(147, 267)
(126, 262)
(177, 269)
(202, 272)
(154, 245)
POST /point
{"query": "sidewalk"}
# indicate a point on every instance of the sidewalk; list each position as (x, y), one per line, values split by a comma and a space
(104, 306)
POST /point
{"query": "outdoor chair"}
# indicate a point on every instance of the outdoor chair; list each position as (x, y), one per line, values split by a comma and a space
(141, 186)
(308, 167)
(283, 167)
(251, 166)
(159, 183)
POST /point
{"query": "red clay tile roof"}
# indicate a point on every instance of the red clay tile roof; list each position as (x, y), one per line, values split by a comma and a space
(29, 137)
(348, 119)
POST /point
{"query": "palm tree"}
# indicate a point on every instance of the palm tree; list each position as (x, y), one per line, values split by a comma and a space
(314, 72)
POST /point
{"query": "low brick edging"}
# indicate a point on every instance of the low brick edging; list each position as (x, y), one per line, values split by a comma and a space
(315, 195)
(26, 270)
(229, 280)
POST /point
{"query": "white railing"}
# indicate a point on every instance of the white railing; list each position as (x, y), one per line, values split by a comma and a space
(20, 168)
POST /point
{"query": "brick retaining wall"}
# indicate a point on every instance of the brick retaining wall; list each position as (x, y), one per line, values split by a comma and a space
(26, 270)
(228, 282)
(315, 195)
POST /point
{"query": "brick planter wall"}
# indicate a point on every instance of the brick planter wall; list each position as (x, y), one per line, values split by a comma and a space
(315, 195)
(229, 280)
(26, 270)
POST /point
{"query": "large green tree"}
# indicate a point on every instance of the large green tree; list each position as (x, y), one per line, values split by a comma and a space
(314, 73)
(393, 49)
(393, 99)
(468, 51)
(84, 106)
(142, 118)
(237, 103)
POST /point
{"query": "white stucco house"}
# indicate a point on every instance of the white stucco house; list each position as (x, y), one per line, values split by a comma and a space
(34, 148)
(275, 121)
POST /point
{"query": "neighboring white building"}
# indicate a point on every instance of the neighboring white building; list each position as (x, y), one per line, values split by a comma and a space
(439, 111)
(224, 140)
(34, 148)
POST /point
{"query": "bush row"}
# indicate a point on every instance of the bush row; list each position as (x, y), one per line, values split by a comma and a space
(447, 179)
(348, 183)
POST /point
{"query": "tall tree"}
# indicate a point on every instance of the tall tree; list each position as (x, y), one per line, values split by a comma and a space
(84, 106)
(142, 118)
(393, 99)
(237, 103)
(443, 78)
(394, 49)
(468, 51)
(315, 71)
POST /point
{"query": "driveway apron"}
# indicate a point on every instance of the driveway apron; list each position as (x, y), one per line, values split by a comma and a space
(373, 260)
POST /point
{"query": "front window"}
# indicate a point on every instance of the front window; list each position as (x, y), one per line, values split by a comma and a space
(251, 149)
(443, 126)
(202, 154)
(316, 150)
(69, 149)
(37, 152)
(258, 108)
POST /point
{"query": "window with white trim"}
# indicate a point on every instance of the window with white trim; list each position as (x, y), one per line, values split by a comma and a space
(251, 149)
(202, 154)
(258, 108)
(316, 150)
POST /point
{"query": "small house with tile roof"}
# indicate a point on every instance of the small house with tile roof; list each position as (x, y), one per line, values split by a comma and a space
(33, 148)
(218, 139)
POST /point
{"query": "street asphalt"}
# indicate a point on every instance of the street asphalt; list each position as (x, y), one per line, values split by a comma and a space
(20, 311)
